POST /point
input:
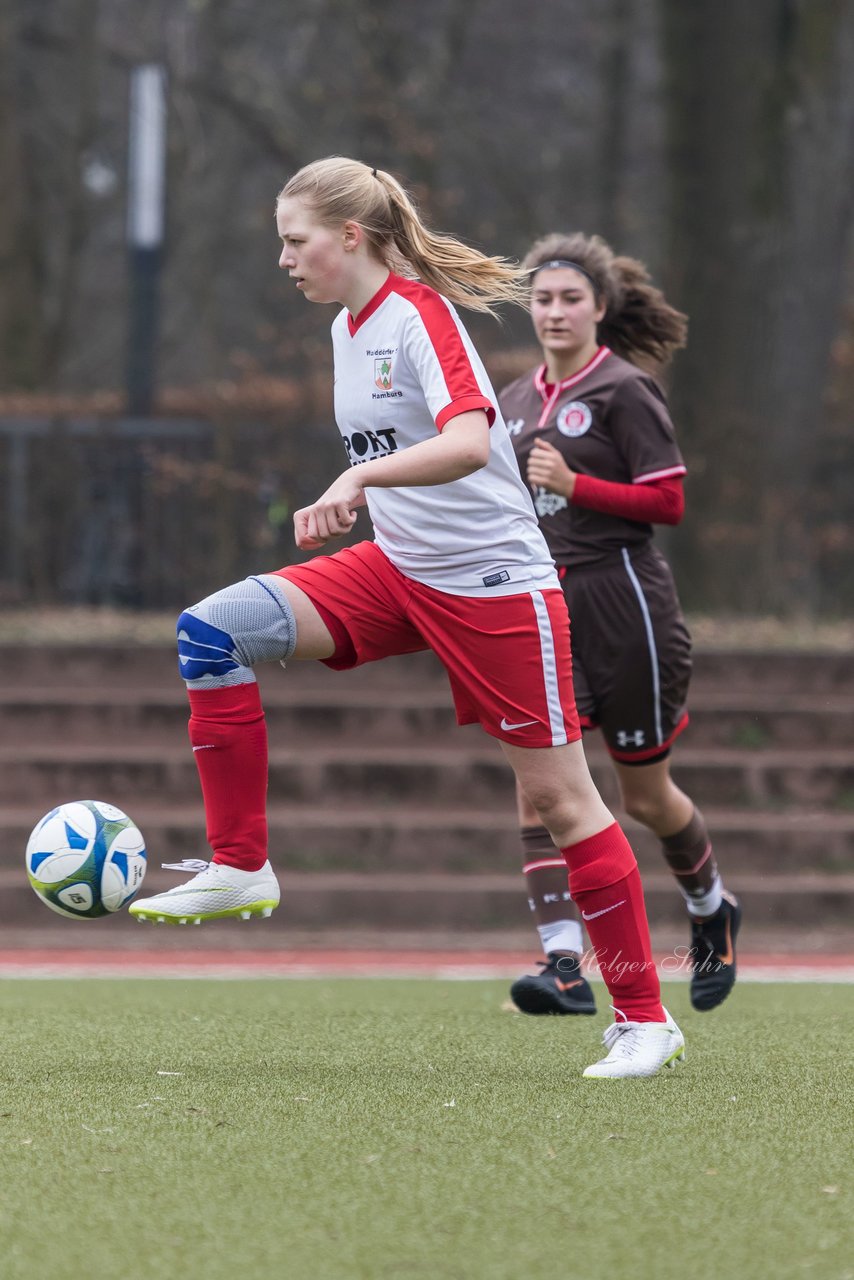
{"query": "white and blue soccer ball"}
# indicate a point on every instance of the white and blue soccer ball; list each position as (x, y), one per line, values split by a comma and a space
(86, 859)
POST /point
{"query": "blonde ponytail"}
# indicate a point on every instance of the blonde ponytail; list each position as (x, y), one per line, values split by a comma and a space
(339, 190)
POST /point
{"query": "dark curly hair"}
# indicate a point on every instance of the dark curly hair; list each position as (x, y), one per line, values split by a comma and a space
(639, 321)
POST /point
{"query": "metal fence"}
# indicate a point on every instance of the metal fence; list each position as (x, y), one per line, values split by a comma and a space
(149, 512)
(153, 512)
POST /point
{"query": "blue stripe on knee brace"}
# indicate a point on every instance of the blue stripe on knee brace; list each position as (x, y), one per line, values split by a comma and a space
(203, 650)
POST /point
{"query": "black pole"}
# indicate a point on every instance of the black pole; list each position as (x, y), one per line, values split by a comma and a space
(146, 200)
(142, 330)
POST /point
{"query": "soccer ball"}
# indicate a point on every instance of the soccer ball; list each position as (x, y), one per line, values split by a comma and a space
(85, 859)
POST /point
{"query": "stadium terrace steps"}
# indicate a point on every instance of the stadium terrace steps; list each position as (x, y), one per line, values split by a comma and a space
(386, 817)
(793, 673)
(476, 773)
(477, 902)
(146, 715)
(305, 837)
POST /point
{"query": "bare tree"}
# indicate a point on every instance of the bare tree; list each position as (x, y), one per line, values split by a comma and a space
(509, 123)
(22, 337)
(761, 102)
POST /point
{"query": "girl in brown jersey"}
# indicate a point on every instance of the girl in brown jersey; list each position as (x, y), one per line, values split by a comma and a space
(595, 443)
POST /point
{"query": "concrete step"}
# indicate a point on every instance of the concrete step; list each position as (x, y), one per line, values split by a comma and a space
(385, 818)
(156, 666)
(461, 840)
(150, 715)
(473, 772)
(117, 666)
(756, 719)
(790, 672)
(355, 901)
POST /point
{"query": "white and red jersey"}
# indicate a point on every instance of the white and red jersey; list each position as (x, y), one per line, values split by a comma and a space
(403, 368)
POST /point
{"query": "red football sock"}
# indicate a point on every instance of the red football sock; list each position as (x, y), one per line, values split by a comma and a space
(229, 736)
(605, 883)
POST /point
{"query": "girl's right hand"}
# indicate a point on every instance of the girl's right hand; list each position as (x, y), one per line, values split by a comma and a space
(331, 516)
(302, 537)
(313, 528)
(548, 470)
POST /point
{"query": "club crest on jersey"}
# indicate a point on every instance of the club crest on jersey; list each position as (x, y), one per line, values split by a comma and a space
(574, 419)
(382, 373)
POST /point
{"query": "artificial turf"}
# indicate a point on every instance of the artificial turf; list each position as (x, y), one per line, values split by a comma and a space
(384, 1130)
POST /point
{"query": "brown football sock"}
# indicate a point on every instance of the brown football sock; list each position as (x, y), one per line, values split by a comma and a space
(690, 857)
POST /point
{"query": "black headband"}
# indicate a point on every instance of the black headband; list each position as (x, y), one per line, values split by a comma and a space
(565, 262)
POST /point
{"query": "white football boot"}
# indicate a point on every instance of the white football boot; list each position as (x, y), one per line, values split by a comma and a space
(217, 892)
(638, 1049)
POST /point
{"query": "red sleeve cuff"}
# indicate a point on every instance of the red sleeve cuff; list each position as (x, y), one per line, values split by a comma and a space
(650, 476)
(465, 405)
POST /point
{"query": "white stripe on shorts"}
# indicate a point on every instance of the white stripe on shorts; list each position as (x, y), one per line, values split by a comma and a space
(650, 640)
(547, 651)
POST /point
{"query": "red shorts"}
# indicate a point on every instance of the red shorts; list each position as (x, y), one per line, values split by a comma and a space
(507, 657)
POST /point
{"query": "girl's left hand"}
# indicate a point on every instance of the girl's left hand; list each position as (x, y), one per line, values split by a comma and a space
(331, 516)
(547, 470)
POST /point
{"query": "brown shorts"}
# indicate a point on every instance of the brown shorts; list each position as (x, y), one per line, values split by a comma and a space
(631, 654)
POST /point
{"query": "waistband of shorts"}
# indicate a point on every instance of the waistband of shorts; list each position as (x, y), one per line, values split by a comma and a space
(646, 553)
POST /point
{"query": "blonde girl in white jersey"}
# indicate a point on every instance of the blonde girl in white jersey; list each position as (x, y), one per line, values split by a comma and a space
(458, 565)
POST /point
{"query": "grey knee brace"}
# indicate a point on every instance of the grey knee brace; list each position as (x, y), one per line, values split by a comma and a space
(221, 638)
